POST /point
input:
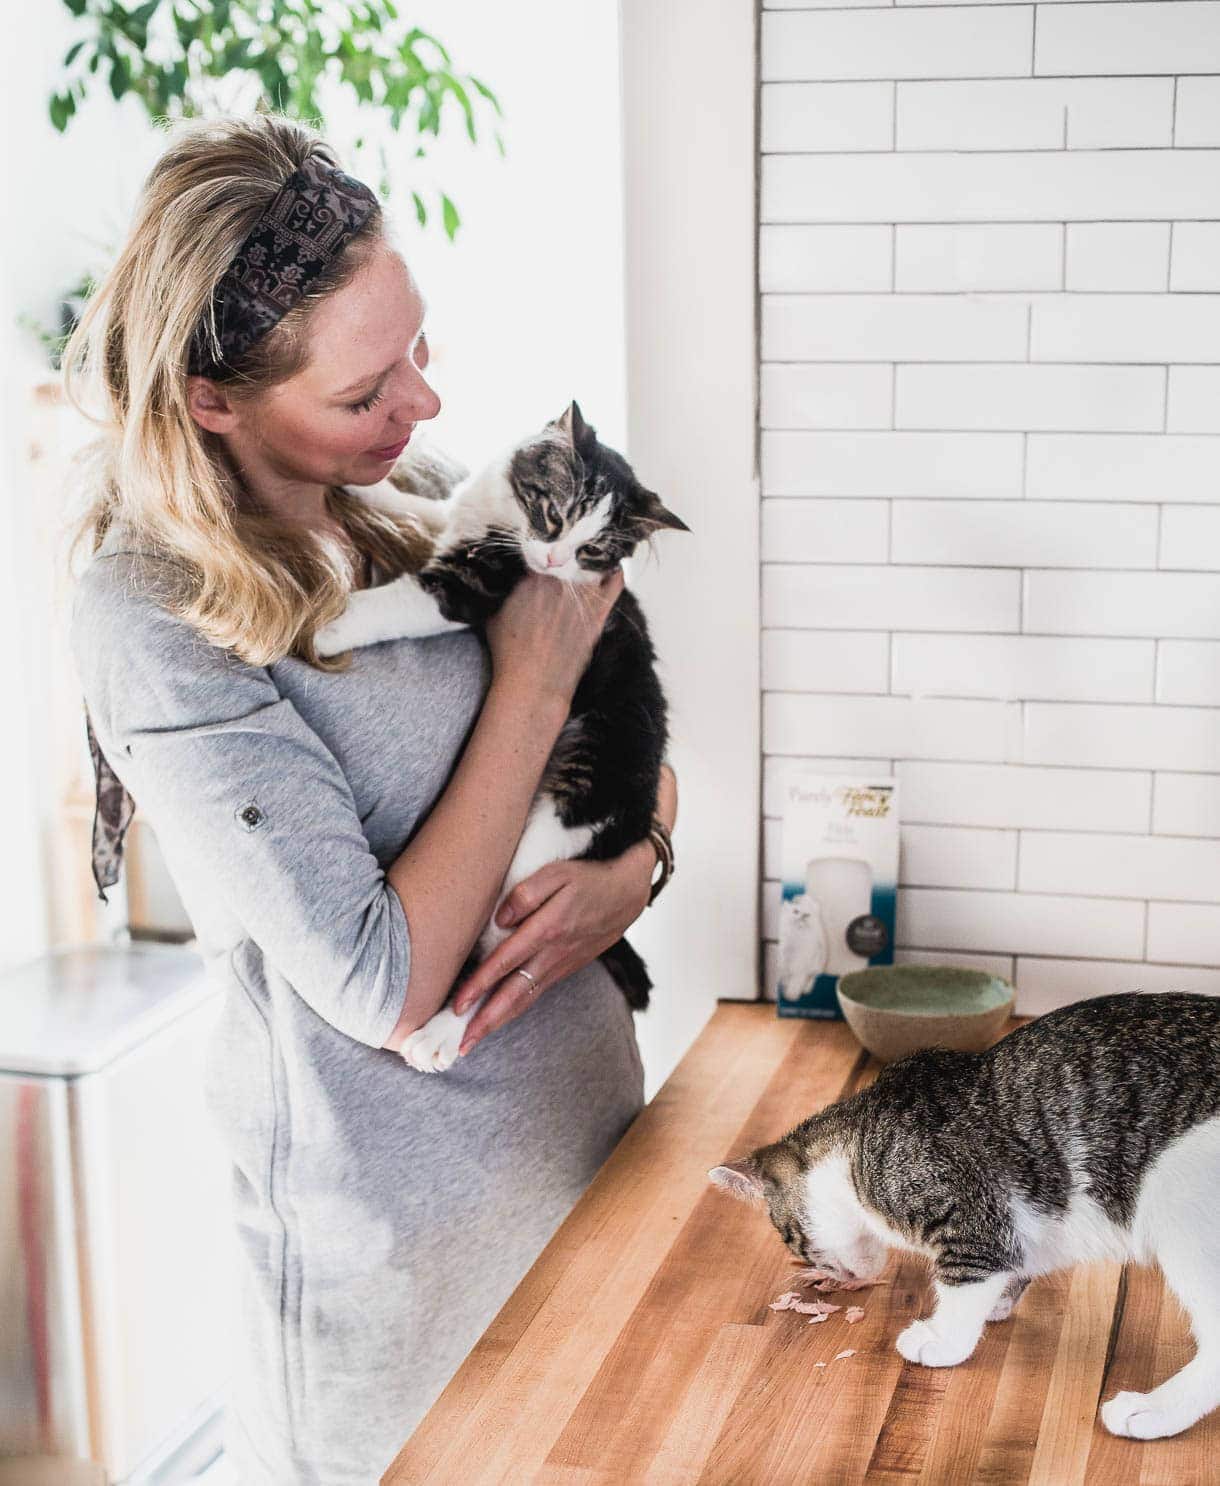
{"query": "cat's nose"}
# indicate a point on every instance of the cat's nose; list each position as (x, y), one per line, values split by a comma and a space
(554, 559)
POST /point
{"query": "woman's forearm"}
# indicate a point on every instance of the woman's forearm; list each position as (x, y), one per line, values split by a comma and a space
(450, 875)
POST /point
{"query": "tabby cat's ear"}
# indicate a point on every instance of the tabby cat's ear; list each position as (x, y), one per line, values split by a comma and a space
(653, 513)
(739, 1179)
(572, 425)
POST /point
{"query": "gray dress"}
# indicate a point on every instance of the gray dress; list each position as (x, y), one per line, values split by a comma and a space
(383, 1215)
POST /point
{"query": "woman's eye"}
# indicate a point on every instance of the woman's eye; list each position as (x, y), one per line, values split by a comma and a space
(363, 407)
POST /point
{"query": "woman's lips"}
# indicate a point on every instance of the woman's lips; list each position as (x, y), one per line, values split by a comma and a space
(393, 451)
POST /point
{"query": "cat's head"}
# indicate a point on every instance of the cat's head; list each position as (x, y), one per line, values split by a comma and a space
(805, 1183)
(582, 509)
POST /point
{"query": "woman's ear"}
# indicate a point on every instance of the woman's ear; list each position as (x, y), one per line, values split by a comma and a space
(210, 405)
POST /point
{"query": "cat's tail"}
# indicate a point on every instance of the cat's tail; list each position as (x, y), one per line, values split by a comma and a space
(629, 972)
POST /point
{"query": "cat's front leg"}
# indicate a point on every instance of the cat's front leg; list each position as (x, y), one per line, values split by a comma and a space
(433, 1048)
(400, 610)
(951, 1333)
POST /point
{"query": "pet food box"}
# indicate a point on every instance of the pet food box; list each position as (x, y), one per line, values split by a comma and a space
(840, 886)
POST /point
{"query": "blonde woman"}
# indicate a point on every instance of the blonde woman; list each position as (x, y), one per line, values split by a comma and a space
(337, 830)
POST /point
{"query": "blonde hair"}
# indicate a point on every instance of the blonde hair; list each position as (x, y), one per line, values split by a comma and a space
(247, 579)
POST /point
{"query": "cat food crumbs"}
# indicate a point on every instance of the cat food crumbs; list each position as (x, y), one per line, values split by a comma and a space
(790, 1300)
(822, 1279)
(849, 1352)
(853, 1313)
(819, 1364)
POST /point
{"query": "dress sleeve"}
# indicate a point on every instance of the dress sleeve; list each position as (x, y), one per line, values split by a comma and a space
(232, 779)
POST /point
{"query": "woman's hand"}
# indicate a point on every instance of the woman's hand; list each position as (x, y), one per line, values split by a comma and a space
(544, 632)
(567, 912)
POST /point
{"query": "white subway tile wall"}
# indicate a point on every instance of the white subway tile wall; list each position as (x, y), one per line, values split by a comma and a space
(989, 268)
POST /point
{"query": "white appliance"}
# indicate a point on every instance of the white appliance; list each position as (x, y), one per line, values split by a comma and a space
(113, 1203)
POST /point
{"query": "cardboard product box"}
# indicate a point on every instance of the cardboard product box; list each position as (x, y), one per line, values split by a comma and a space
(840, 886)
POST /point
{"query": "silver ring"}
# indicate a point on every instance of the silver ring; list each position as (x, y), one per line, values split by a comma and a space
(533, 982)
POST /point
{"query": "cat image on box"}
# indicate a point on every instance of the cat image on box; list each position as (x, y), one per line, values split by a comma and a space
(802, 946)
(1091, 1133)
(564, 504)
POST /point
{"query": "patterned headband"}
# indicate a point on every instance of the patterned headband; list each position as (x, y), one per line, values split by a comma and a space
(308, 223)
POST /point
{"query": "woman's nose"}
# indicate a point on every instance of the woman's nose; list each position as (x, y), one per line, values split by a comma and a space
(417, 400)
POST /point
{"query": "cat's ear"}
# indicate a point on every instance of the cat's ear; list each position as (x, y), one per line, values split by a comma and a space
(740, 1179)
(654, 514)
(572, 425)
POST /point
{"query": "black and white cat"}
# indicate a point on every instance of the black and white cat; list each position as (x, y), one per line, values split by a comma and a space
(1090, 1133)
(564, 504)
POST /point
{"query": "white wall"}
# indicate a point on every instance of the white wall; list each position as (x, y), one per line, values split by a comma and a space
(688, 117)
(990, 275)
(526, 307)
(62, 193)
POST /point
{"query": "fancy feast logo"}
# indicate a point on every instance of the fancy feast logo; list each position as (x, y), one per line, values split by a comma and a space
(873, 800)
(855, 799)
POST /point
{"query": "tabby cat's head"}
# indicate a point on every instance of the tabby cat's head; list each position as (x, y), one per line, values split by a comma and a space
(806, 1184)
(583, 509)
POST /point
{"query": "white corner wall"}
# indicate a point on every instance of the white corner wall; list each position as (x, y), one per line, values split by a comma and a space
(990, 275)
(689, 168)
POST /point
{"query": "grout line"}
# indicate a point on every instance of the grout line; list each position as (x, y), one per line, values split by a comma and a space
(1169, 263)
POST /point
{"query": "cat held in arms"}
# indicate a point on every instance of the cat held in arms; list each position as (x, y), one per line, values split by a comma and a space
(1091, 1133)
(563, 504)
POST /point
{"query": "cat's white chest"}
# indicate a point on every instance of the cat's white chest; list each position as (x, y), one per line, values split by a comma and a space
(1079, 1235)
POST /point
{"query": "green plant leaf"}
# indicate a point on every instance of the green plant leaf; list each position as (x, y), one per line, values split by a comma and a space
(120, 77)
(482, 87)
(74, 51)
(421, 211)
(449, 216)
(77, 7)
(60, 107)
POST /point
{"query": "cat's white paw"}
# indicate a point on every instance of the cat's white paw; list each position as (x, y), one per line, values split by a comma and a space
(1136, 1416)
(919, 1343)
(433, 1047)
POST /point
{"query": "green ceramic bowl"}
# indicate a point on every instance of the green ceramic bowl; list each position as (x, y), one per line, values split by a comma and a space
(898, 1009)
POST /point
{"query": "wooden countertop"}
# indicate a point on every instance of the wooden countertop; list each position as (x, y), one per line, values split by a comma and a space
(640, 1346)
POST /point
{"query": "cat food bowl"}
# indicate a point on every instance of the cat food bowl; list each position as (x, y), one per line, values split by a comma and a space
(898, 1009)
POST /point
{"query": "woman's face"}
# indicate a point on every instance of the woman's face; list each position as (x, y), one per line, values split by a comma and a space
(347, 415)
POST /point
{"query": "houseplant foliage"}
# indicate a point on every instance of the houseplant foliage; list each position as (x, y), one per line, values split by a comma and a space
(181, 58)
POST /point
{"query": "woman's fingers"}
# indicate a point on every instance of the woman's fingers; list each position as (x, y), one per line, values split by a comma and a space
(515, 995)
(516, 950)
(531, 893)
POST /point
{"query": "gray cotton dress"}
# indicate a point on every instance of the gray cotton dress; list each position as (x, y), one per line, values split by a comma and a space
(383, 1215)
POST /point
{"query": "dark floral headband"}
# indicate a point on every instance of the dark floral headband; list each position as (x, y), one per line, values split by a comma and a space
(308, 223)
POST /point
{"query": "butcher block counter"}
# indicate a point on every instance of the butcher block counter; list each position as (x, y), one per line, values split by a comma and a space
(640, 1346)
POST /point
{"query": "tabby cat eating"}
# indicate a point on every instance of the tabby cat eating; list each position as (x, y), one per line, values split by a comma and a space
(1090, 1133)
(564, 504)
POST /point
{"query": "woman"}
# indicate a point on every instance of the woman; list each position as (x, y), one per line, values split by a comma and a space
(337, 831)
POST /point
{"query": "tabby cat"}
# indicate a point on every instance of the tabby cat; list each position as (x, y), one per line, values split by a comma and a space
(564, 504)
(1090, 1133)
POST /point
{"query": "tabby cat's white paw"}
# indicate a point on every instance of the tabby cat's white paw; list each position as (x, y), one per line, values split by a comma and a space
(1136, 1416)
(433, 1047)
(919, 1343)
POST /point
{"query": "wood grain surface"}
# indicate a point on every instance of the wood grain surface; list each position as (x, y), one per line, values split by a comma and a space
(640, 1346)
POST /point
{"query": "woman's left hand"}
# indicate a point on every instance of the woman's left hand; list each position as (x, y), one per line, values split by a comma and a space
(567, 913)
